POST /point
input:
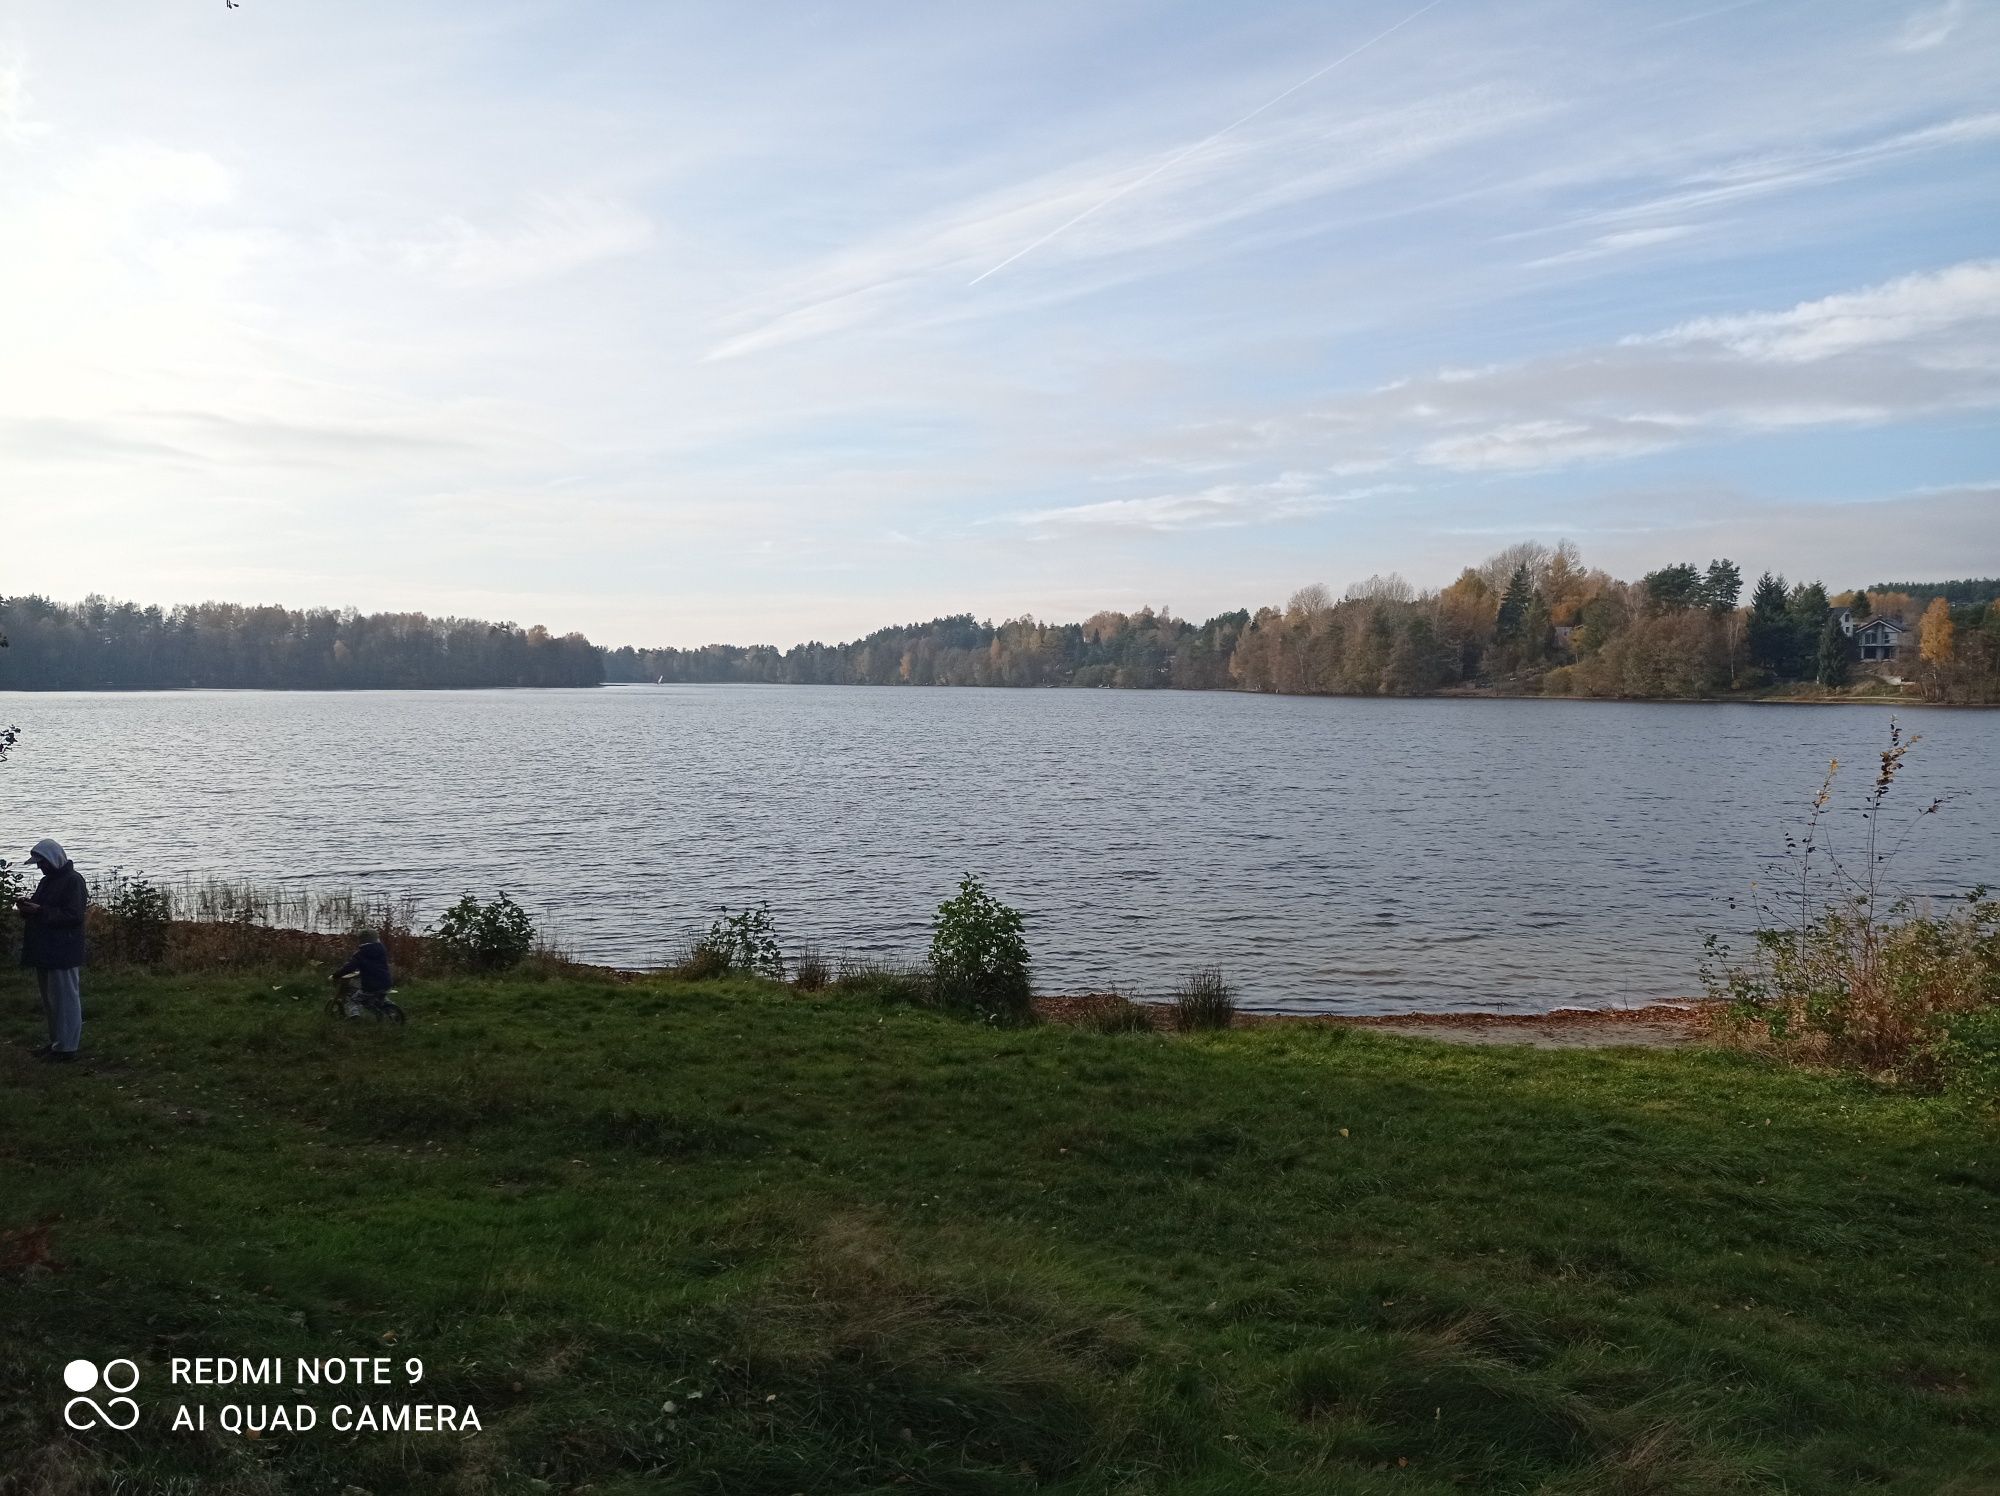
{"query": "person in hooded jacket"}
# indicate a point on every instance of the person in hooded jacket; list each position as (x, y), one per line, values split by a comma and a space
(370, 963)
(53, 945)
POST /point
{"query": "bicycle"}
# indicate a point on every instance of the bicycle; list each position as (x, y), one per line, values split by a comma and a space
(347, 997)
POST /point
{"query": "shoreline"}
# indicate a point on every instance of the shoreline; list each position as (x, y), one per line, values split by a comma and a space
(1668, 1023)
(1476, 693)
(1658, 1025)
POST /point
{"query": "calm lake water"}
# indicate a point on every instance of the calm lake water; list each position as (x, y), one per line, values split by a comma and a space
(1327, 853)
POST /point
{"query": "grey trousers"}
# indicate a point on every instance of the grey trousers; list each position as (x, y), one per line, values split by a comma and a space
(62, 1005)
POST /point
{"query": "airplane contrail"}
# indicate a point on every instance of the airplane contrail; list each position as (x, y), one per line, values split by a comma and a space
(1173, 161)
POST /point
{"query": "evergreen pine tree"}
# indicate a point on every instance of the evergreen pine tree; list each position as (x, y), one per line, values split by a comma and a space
(1673, 588)
(1538, 635)
(1513, 606)
(1835, 653)
(1770, 632)
(1721, 586)
(1806, 608)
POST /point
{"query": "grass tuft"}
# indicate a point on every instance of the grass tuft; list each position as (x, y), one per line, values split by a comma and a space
(1114, 1013)
(1204, 1001)
(812, 973)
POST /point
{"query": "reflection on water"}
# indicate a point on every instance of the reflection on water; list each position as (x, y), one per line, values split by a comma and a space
(1327, 853)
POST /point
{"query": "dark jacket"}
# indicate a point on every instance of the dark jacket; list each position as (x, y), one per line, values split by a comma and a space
(53, 939)
(371, 964)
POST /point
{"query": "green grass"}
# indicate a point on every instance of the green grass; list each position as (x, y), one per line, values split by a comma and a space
(864, 1248)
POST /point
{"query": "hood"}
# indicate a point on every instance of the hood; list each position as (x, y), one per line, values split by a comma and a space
(50, 851)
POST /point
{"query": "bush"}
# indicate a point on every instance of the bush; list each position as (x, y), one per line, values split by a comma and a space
(139, 913)
(484, 937)
(1969, 1057)
(1114, 1013)
(743, 943)
(1204, 1001)
(13, 885)
(1853, 977)
(979, 957)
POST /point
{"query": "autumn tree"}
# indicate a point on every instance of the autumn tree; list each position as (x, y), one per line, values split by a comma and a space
(1937, 641)
(1565, 583)
(1498, 569)
(1936, 634)
(1465, 614)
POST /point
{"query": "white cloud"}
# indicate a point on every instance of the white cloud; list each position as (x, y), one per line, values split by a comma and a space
(1768, 173)
(1930, 27)
(1520, 446)
(18, 123)
(552, 236)
(1922, 345)
(1962, 299)
(1221, 506)
(922, 270)
(1622, 242)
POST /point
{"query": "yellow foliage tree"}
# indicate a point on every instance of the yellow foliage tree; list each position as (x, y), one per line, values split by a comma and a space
(1936, 636)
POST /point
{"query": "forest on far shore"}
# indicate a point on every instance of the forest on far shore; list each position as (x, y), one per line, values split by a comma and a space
(1532, 618)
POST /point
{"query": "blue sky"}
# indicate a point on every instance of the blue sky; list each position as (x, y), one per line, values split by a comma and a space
(700, 322)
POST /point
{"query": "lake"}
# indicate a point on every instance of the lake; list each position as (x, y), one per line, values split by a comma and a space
(1327, 853)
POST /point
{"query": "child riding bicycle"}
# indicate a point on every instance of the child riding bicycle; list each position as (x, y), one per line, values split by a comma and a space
(364, 984)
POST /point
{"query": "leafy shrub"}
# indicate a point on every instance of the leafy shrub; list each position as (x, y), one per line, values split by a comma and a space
(1115, 1013)
(979, 957)
(745, 942)
(1204, 1001)
(1969, 1057)
(13, 885)
(139, 913)
(811, 973)
(484, 937)
(1843, 973)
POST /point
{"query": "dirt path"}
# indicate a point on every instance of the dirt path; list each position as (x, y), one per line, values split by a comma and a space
(1656, 1026)
(1659, 1027)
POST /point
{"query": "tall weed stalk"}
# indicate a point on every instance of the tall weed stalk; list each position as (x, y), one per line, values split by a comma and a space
(1847, 970)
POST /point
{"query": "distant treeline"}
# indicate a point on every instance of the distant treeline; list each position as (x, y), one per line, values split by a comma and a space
(1970, 592)
(1531, 618)
(1109, 649)
(98, 644)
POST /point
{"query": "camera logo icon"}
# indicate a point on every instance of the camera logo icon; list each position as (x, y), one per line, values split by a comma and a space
(117, 1412)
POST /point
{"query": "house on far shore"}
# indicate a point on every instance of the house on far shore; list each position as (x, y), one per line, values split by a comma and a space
(1881, 639)
(1877, 641)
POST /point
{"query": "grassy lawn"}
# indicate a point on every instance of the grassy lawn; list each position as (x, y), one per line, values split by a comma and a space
(862, 1248)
